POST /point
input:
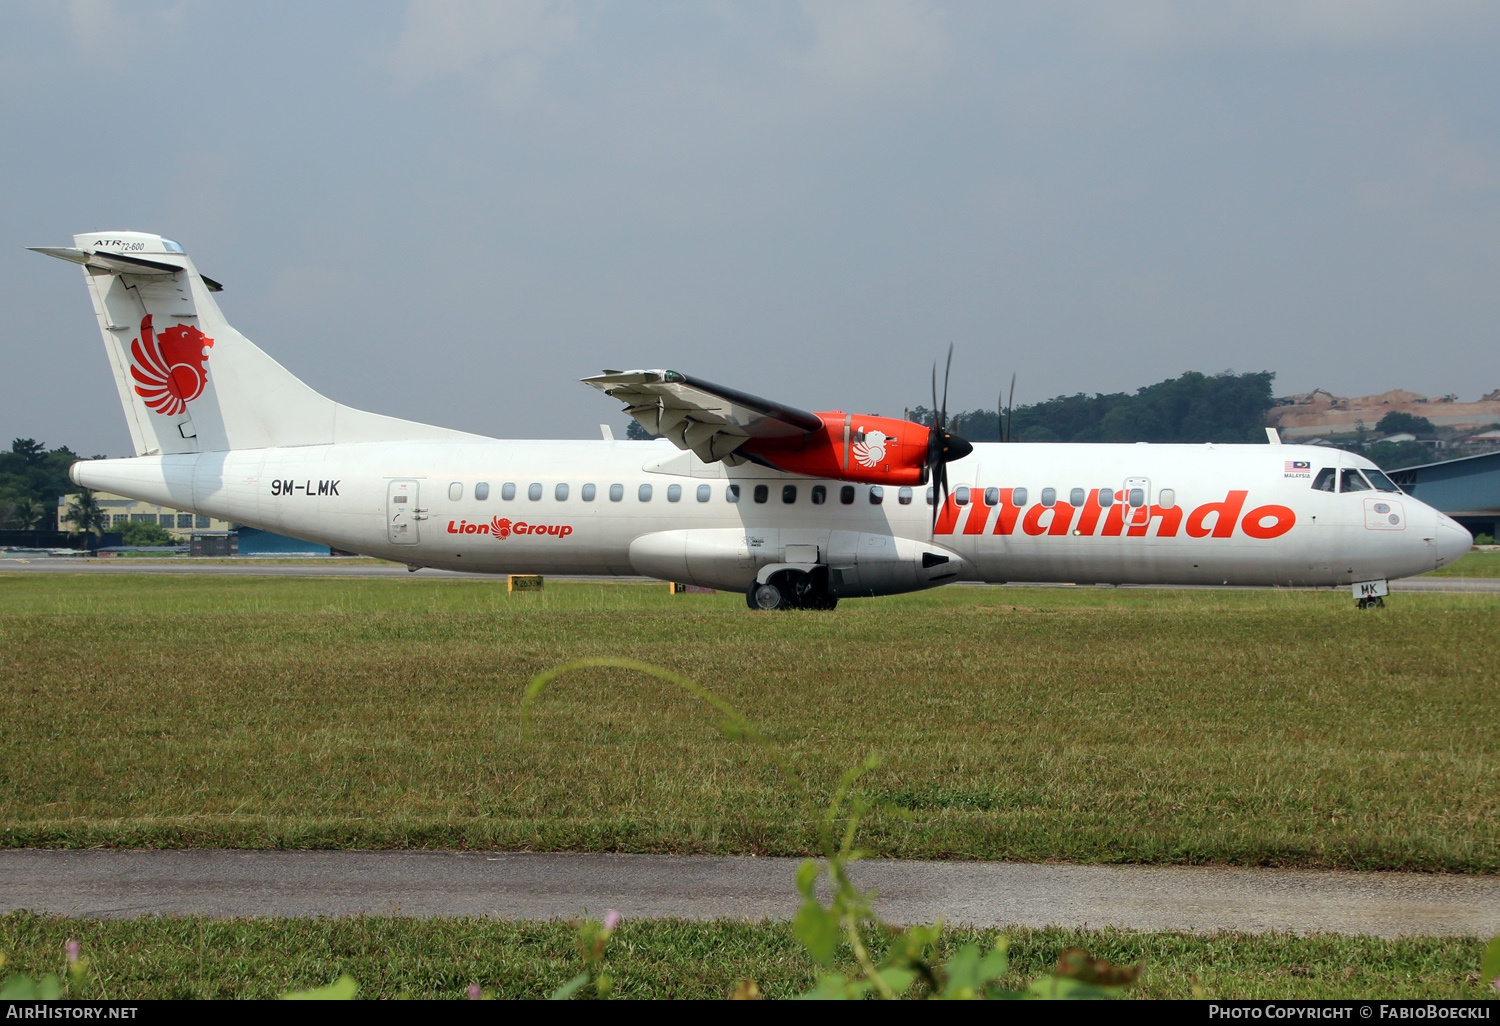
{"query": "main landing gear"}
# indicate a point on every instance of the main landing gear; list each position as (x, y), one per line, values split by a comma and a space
(1371, 603)
(791, 589)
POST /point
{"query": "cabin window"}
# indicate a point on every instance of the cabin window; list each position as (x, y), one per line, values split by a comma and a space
(1076, 497)
(616, 492)
(534, 491)
(560, 493)
(482, 491)
(819, 495)
(789, 494)
(1137, 497)
(1380, 481)
(589, 491)
(762, 493)
(904, 496)
(846, 495)
(508, 491)
(1049, 497)
(674, 493)
(1325, 481)
(1018, 496)
(877, 495)
(643, 493)
(1106, 498)
(732, 493)
(704, 493)
(1353, 481)
(992, 496)
(961, 495)
(932, 496)
(1166, 498)
(455, 491)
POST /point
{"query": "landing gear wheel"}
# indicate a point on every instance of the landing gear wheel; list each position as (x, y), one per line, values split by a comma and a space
(1371, 603)
(766, 596)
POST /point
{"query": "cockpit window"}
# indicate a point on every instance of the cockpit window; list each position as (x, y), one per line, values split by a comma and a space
(1325, 480)
(1380, 481)
(1353, 481)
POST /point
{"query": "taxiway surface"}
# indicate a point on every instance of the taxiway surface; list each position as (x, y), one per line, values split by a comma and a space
(225, 884)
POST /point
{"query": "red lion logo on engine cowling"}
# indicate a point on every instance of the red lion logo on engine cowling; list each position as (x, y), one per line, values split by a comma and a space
(500, 527)
(170, 369)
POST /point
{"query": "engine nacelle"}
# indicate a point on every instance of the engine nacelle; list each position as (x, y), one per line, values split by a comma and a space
(856, 562)
(850, 447)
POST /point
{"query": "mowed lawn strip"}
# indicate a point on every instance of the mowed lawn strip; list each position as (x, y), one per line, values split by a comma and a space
(1091, 725)
(141, 959)
(1475, 564)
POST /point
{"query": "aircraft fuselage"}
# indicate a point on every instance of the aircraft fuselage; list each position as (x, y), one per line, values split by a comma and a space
(1121, 514)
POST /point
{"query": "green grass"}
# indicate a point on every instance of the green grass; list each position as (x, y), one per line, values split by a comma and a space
(1475, 564)
(1251, 728)
(258, 958)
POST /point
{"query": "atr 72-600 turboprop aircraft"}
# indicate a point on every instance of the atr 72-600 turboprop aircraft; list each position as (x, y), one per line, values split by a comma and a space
(795, 509)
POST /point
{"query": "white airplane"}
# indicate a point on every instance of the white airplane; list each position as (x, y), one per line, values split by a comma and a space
(794, 509)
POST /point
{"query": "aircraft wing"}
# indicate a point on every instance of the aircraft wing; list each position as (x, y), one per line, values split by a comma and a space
(711, 420)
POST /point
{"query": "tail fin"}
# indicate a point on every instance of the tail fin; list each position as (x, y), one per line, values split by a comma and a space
(188, 381)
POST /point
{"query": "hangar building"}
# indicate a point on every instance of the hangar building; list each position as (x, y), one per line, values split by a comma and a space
(1466, 489)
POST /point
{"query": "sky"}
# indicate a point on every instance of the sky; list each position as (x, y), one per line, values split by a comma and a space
(452, 211)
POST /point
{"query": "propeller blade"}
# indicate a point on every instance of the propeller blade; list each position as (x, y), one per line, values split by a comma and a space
(1010, 407)
(942, 445)
(946, 372)
(934, 395)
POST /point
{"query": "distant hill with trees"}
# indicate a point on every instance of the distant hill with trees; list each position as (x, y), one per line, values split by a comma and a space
(1194, 407)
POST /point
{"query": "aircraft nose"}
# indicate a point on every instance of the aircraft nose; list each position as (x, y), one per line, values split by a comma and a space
(1453, 540)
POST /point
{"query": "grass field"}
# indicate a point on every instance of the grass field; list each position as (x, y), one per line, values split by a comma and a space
(202, 958)
(1475, 564)
(1255, 728)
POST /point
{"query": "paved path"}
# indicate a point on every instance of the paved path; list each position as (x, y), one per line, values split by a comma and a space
(314, 568)
(122, 884)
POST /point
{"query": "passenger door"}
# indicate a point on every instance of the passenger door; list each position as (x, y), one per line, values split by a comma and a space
(402, 515)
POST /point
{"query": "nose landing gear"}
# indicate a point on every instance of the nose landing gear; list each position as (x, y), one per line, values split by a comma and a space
(1370, 603)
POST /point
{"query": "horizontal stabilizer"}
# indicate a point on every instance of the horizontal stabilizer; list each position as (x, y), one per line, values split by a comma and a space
(118, 263)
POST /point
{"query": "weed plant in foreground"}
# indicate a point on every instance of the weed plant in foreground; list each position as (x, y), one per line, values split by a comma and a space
(153, 957)
(1251, 728)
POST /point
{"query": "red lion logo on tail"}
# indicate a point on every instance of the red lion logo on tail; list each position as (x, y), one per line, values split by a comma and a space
(170, 369)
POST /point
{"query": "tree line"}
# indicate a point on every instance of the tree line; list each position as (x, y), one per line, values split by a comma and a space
(1194, 407)
(31, 479)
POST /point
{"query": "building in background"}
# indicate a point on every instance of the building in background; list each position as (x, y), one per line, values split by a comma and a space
(206, 535)
(124, 511)
(1467, 489)
(254, 542)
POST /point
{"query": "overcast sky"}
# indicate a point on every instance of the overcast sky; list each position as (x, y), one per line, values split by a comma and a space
(452, 211)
